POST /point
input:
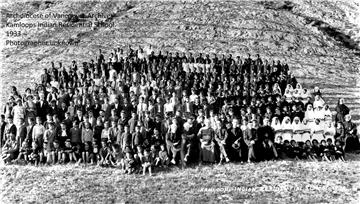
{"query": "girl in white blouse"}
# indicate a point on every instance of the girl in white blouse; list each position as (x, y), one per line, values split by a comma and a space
(275, 124)
(297, 129)
(289, 88)
(327, 113)
(309, 113)
(329, 130)
(288, 95)
(306, 131)
(276, 89)
(319, 113)
(317, 131)
(287, 129)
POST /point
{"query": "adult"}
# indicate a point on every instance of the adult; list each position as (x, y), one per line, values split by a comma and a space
(221, 135)
(341, 111)
(251, 139)
(206, 136)
(266, 138)
(173, 140)
(188, 142)
(351, 140)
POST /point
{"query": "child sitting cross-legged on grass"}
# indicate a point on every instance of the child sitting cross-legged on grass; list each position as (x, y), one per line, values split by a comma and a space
(10, 149)
(325, 151)
(103, 153)
(24, 152)
(163, 159)
(68, 152)
(117, 157)
(129, 162)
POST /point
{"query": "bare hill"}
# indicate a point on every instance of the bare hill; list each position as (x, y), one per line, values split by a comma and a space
(319, 39)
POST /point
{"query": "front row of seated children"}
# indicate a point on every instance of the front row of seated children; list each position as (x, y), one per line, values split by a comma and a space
(108, 155)
(48, 154)
(140, 160)
(311, 150)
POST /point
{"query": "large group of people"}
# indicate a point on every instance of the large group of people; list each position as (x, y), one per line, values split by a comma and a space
(138, 109)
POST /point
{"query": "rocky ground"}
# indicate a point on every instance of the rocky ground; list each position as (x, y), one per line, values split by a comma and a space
(318, 39)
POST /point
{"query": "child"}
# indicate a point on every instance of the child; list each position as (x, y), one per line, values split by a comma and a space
(315, 151)
(68, 152)
(95, 157)
(139, 151)
(287, 149)
(38, 131)
(35, 154)
(25, 151)
(147, 162)
(156, 139)
(138, 159)
(10, 148)
(325, 151)
(55, 155)
(126, 139)
(117, 159)
(339, 151)
(136, 138)
(43, 156)
(307, 149)
(295, 150)
(85, 154)
(75, 133)
(163, 158)
(103, 153)
(330, 152)
(153, 152)
(129, 162)
(279, 147)
(106, 132)
(77, 150)
(87, 134)
(303, 154)
(63, 134)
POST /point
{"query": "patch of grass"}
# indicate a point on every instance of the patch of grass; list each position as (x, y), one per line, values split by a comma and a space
(280, 181)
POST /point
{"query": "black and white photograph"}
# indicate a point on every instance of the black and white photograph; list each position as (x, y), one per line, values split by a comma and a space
(180, 101)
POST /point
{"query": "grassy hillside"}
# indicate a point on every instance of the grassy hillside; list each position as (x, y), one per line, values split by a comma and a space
(318, 39)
